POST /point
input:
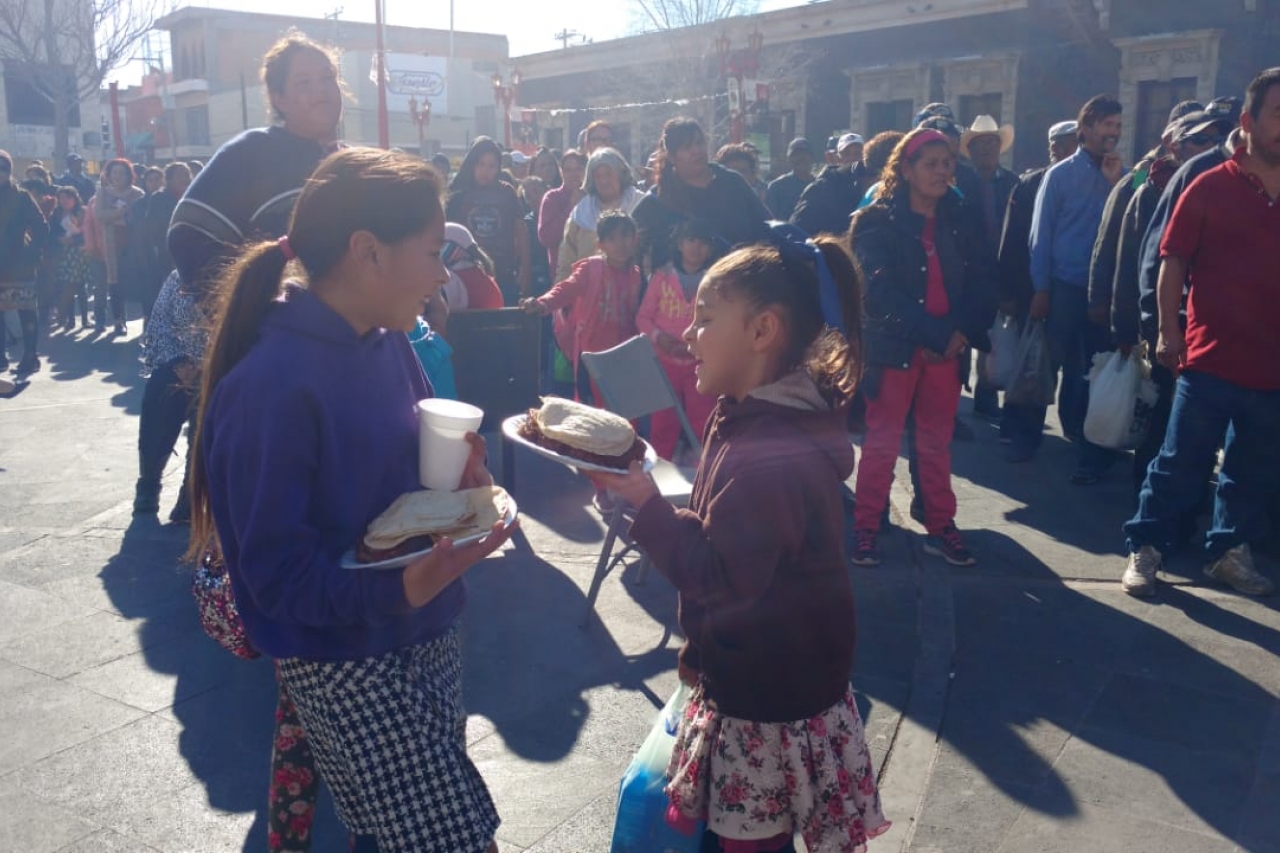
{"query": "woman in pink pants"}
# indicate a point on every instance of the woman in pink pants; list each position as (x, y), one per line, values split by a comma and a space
(665, 312)
(930, 290)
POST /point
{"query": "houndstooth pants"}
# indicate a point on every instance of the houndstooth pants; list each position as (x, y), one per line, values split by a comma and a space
(389, 734)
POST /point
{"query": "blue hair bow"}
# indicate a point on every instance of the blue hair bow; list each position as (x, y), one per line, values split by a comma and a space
(794, 245)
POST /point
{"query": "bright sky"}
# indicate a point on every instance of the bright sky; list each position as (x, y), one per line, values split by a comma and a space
(530, 27)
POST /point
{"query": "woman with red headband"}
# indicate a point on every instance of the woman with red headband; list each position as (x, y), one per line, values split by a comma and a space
(930, 291)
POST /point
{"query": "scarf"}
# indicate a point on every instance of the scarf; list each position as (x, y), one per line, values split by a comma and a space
(111, 209)
(587, 213)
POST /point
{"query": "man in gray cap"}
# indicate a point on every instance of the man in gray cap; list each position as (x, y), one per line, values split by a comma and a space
(1102, 265)
(784, 192)
(1221, 119)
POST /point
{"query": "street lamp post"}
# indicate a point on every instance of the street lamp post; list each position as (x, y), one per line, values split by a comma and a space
(421, 116)
(504, 96)
(735, 68)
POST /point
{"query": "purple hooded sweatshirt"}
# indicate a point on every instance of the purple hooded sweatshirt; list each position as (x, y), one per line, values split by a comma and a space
(306, 440)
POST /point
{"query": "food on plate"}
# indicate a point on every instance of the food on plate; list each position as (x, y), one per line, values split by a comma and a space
(583, 432)
(418, 519)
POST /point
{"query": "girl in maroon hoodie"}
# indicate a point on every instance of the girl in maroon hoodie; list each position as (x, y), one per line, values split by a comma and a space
(771, 743)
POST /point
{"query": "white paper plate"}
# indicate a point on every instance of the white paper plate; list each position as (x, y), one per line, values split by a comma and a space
(349, 561)
(511, 430)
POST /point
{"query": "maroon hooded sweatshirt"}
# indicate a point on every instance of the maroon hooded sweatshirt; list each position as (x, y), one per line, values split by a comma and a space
(766, 603)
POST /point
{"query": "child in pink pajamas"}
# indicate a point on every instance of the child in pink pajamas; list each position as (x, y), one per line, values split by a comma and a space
(665, 312)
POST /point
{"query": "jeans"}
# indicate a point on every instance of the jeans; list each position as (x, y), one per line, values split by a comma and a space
(167, 404)
(1165, 383)
(1207, 410)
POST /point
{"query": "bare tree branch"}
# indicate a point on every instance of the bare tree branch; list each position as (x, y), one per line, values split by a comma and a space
(674, 14)
(66, 48)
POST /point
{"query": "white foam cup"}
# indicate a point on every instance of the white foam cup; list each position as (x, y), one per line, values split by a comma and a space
(442, 444)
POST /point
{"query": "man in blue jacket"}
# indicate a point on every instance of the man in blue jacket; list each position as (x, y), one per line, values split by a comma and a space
(1064, 227)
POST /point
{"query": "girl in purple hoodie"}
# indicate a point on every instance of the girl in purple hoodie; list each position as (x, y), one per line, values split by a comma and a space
(771, 743)
(307, 433)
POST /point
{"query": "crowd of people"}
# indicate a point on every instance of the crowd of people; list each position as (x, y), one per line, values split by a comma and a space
(295, 289)
(79, 249)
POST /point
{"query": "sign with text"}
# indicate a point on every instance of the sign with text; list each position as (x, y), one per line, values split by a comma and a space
(414, 75)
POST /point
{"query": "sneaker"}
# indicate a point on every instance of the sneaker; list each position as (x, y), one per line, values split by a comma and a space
(29, 364)
(181, 512)
(1235, 569)
(865, 550)
(949, 546)
(1139, 576)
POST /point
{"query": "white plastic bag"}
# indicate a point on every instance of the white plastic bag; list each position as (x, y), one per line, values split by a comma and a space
(1121, 394)
(640, 825)
(1000, 364)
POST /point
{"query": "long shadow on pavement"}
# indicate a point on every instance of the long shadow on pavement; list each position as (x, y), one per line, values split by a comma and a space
(71, 356)
(1075, 701)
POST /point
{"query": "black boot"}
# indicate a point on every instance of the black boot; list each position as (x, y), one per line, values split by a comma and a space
(30, 336)
(146, 497)
(181, 512)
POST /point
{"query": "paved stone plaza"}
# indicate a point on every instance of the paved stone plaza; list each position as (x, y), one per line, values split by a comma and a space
(1023, 705)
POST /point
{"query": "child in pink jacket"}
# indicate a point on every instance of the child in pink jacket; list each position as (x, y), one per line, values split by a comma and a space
(665, 312)
(598, 300)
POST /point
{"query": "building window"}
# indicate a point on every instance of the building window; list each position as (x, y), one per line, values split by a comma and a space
(986, 104)
(553, 137)
(1155, 99)
(197, 119)
(25, 105)
(888, 115)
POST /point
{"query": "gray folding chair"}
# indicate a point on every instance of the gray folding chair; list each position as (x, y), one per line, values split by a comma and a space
(633, 384)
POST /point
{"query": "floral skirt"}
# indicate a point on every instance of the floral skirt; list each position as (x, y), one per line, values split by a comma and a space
(72, 273)
(758, 780)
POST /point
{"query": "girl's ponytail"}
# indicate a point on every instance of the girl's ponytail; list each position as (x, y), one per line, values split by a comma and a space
(836, 359)
(391, 195)
(241, 298)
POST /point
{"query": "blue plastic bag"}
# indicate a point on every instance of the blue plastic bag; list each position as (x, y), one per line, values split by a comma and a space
(436, 357)
(641, 826)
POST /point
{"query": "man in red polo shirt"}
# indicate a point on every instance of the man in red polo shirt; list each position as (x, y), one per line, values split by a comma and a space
(1223, 238)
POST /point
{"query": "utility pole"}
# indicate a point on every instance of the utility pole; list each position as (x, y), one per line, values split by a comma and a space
(564, 35)
(384, 131)
(333, 16)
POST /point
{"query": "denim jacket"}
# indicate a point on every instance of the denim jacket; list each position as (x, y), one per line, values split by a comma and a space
(886, 244)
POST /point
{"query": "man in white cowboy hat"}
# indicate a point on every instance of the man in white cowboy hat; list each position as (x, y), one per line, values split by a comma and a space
(983, 143)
